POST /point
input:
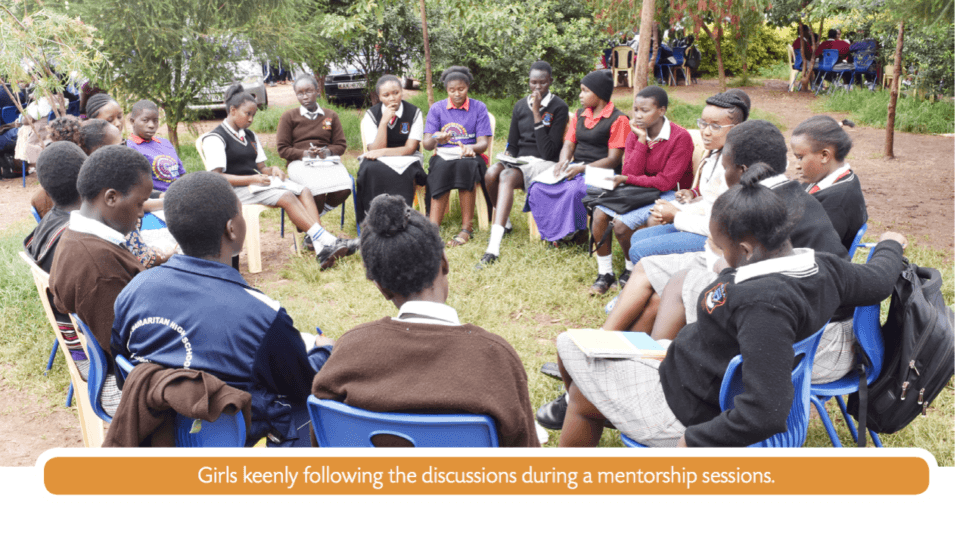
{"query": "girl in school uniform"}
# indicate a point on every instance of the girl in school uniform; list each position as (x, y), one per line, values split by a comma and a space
(597, 138)
(391, 162)
(771, 296)
(234, 151)
(459, 129)
(310, 133)
(821, 145)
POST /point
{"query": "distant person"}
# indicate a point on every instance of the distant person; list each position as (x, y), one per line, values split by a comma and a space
(104, 107)
(225, 326)
(537, 126)
(391, 162)
(166, 164)
(423, 360)
(91, 264)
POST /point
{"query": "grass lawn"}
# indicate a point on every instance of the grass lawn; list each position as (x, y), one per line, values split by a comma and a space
(529, 297)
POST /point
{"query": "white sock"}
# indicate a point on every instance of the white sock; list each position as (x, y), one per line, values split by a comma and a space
(509, 223)
(605, 264)
(566, 397)
(321, 236)
(326, 208)
(496, 235)
(629, 266)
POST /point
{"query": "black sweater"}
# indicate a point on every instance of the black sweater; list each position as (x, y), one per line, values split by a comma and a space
(844, 204)
(543, 140)
(761, 318)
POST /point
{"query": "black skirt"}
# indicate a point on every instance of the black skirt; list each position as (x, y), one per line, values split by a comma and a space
(374, 178)
(461, 174)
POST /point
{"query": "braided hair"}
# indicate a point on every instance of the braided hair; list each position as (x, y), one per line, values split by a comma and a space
(737, 108)
(752, 209)
(97, 102)
(65, 128)
(401, 249)
(822, 131)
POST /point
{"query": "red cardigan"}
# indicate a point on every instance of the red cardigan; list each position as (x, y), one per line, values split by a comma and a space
(662, 166)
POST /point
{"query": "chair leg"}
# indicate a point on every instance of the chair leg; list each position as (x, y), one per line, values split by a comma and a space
(532, 224)
(251, 243)
(23, 167)
(827, 423)
(282, 221)
(53, 354)
(69, 396)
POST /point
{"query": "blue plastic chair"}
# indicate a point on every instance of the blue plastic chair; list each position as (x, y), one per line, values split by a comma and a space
(799, 416)
(98, 367)
(228, 431)
(339, 425)
(866, 331)
(9, 114)
(797, 60)
(825, 67)
(857, 239)
(862, 62)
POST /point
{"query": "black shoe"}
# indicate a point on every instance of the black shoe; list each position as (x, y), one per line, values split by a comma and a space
(507, 229)
(848, 123)
(602, 284)
(486, 260)
(307, 244)
(551, 415)
(341, 248)
(550, 369)
(624, 277)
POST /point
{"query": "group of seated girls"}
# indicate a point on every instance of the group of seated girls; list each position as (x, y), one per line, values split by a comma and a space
(775, 270)
(771, 269)
(174, 315)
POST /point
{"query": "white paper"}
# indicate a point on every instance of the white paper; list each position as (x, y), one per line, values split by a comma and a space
(598, 177)
(507, 158)
(547, 177)
(449, 152)
(322, 162)
(276, 183)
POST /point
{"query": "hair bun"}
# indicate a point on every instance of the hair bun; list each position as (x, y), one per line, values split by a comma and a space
(232, 90)
(388, 216)
(755, 173)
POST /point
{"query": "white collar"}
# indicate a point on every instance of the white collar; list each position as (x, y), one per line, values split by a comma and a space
(800, 264)
(543, 101)
(775, 181)
(311, 115)
(831, 178)
(664, 134)
(83, 224)
(418, 311)
(235, 133)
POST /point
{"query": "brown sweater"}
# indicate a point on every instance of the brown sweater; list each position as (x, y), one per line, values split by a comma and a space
(395, 366)
(154, 395)
(87, 275)
(295, 133)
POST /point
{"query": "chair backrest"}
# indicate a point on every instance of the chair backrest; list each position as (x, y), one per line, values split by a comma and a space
(9, 114)
(493, 129)
(678, 55)
(698, 149)
(799, 416)
(42, 280)
(339, 425)
(622, 57)
(862, 60)
(98, 366)
(228, 431)
(199, 145)
(866, 330)
(857, 239)
(829, 59)
(797, 59)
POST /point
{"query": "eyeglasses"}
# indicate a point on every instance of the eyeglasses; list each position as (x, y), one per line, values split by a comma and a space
(702, 124)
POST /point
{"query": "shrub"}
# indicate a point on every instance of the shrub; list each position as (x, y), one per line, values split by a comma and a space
(768, 46)
(499, 40)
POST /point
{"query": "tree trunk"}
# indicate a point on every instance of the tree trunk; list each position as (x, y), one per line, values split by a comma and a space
(426, 52)
(642, 75)
(716, 45)
(174, 136)
(894, 94)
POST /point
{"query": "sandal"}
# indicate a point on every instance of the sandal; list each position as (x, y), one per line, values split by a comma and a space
(459, 240)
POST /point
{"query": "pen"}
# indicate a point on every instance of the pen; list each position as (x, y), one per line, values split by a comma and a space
(319, 331)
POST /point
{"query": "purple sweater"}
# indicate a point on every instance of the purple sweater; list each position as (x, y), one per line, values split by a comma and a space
(164, 162)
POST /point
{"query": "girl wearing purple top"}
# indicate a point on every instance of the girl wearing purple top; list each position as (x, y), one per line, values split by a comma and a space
(459, 129)
(165, 164)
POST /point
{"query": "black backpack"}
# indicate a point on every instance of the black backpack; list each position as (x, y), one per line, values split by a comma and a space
(919, 357)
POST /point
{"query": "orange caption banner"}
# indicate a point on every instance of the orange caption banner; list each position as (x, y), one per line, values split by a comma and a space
(486, 476)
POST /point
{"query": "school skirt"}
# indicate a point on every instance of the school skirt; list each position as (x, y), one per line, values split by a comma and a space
(461, 174)
(376, 178)
(320, 180)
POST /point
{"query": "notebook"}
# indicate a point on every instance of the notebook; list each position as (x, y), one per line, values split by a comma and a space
(617, 345)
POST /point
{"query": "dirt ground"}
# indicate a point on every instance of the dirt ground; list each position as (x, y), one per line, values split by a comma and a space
(925, 211)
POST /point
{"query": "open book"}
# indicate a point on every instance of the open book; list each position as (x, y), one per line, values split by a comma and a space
(508, 159)
(598, 177)
(617, 345)
(449, 152)
(275, 182)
